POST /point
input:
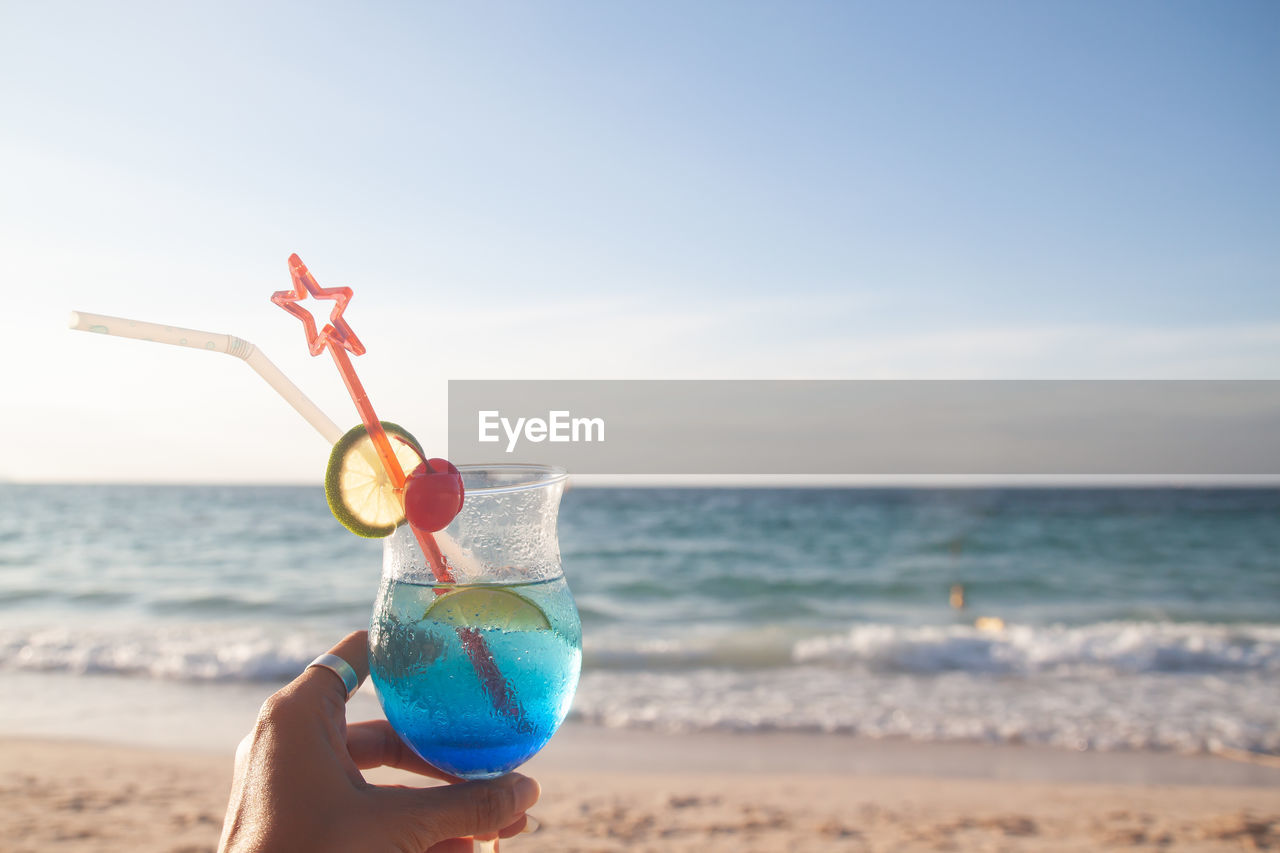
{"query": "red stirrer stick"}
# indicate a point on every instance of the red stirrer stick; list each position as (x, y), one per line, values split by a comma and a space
(339, 339)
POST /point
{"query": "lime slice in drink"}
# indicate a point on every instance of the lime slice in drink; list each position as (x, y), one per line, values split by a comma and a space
(486, 609)
(360, 493)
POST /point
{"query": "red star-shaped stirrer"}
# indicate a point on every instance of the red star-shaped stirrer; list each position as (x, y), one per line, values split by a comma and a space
(339, 339)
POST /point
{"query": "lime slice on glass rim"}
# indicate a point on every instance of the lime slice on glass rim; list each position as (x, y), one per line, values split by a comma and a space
(360, 493)
(487, 608)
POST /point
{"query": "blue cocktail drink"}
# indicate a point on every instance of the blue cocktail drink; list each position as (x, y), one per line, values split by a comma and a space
(441, 699)
(478, 672)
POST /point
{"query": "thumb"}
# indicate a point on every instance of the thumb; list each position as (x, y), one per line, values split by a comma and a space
(434, 814)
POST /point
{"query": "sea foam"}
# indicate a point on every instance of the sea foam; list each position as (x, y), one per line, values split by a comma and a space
(1185, 687)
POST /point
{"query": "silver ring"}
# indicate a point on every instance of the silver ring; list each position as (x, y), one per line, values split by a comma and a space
(340, 668)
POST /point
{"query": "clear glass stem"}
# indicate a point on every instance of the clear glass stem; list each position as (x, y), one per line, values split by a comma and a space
(485, 845)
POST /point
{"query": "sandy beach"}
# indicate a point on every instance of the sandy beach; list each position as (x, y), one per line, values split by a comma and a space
(612, 791)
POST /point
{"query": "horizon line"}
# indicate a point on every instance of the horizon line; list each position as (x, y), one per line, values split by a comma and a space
(782, 481)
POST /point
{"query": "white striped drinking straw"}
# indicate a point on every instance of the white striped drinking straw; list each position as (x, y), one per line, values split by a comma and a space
(121, 327)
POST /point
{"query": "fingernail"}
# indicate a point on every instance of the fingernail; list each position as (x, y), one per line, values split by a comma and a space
(526, 792)
(530, 824)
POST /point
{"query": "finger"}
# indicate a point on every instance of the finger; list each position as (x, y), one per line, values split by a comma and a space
(515, 828)
(374, 743)
(468, 808)
(319, 682)
(466, 845)
(453, 845)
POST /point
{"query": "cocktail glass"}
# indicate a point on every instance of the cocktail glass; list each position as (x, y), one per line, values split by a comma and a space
(477, 674)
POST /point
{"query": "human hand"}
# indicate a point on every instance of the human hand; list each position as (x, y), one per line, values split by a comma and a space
(298, 785)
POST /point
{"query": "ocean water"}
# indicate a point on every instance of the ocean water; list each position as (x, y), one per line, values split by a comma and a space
(1131, 618)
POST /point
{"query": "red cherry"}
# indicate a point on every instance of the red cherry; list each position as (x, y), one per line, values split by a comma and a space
(433, 495)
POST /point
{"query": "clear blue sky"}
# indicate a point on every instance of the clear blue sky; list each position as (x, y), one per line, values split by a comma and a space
(544, 189)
